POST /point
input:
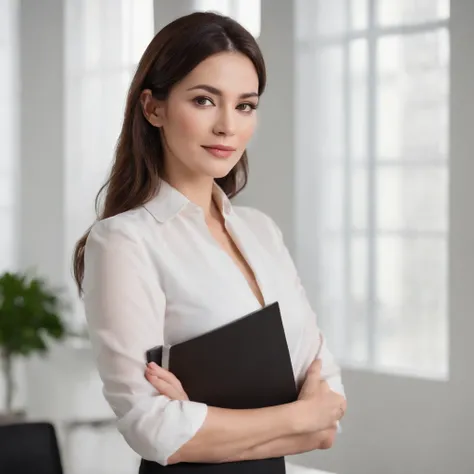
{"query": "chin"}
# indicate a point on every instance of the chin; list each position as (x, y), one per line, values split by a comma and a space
(221, 175)
(220, 171)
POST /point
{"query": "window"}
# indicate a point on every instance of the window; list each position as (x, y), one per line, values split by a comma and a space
(246, 12)
(9, 98)
(104, 42)
(372, 178)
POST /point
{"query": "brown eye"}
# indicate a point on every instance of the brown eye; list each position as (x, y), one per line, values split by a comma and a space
(247, 107)
(202, 101)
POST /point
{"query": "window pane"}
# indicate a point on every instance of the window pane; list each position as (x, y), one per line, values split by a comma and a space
(379, 285)
(332, 192)
(246, 12)
(137, 29)
(412, 101)
(91, 32)
(402, 12)
(359, 198)
(323, 18)
(359, 14)
(330, 102)
(307, 134)
(221, 6)
(331, 17)
(358, 75)
(412, 299)
(115, 87)
(330, 299)
(412, 198)
(111, 33)
(355, 323)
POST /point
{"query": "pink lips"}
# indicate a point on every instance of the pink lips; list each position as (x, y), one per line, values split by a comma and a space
(219, 150)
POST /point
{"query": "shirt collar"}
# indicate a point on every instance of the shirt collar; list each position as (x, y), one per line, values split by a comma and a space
(169, 202)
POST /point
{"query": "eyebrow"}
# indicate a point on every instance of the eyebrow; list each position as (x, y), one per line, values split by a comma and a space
(215, 91)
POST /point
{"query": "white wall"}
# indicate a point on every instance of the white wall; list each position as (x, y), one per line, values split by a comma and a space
(42, 228)
(166, 12)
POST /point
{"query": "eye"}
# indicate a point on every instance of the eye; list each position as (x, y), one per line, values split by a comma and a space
(248, 107)
(202, 101)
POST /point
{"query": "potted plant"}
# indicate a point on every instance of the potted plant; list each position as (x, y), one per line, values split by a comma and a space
(30, 317)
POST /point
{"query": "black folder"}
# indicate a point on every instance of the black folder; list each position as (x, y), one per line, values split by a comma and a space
(243, 364)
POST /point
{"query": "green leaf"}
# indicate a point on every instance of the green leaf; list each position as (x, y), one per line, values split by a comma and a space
(31, 313)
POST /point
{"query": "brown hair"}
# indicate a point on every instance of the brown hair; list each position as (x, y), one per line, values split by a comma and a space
(139, 160)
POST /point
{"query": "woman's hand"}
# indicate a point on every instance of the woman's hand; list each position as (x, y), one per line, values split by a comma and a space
(165, 382)
(321, 408)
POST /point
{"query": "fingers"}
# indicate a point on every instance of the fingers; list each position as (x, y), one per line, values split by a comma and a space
(163, 387)
(343, 406)
(314, 371)
(325, 386)
(328, 438)
(315, 366)
(340, 407)
(165, 382)
(164, 374)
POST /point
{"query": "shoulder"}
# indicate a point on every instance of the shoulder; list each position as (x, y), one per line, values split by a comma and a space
(115, 256)
(124, 229)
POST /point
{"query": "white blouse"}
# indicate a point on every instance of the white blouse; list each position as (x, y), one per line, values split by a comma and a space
(155, 275)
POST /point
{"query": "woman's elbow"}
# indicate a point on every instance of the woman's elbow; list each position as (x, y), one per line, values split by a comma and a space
(175, 458)
(327, 439)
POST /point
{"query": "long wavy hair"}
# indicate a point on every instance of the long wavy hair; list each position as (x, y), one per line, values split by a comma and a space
(138, 165)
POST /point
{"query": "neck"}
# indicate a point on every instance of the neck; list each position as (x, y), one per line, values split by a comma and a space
(200, 193)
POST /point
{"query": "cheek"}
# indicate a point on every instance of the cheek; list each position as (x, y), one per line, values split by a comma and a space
(248, 129)
(186, 122)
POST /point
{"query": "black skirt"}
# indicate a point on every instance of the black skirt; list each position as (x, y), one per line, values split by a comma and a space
(264, 466)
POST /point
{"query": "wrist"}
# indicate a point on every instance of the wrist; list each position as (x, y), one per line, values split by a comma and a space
(298, 418)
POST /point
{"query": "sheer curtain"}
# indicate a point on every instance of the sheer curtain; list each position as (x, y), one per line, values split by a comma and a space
(104, 41)
(9, 100)
(372, 178)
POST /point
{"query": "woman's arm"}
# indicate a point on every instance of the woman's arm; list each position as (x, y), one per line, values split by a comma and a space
(167, 383)
(125, 308)
(288, 446)
(227, 434)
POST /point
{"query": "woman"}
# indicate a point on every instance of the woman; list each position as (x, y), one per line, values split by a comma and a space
(170, 258)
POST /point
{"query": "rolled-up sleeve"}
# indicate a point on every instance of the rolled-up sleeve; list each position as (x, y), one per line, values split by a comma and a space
(125, 310)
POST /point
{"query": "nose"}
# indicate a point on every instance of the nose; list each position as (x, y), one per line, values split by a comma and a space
(225, 122)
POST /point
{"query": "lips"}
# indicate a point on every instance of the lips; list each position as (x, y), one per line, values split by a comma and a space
(219, 151)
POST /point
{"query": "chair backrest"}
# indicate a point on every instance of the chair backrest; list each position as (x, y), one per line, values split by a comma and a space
(29, 448)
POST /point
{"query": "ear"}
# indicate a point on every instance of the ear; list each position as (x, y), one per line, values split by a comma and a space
(152, 108)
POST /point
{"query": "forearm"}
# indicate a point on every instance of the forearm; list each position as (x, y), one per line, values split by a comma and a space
(287, 446)
(227, 434)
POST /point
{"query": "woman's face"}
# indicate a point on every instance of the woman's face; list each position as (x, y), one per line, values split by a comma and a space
(213, 106)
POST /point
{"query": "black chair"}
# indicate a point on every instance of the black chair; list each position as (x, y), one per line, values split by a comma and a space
(29, 448)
